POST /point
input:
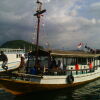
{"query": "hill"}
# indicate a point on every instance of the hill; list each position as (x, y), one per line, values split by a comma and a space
(16, 44)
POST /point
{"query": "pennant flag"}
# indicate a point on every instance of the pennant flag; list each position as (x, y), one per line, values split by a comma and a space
(90, 49)
(79, 45)
(47, 44)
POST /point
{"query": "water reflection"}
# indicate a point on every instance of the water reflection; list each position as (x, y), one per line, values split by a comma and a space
(90, 91)
(55, 95)
(5, 95)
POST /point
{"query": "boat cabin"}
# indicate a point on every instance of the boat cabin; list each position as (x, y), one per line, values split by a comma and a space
(61, 62)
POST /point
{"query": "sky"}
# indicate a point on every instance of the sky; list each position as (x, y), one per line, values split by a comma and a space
(65, 24)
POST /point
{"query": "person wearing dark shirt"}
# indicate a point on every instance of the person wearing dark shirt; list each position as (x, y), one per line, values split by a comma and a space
(4, 58)
(53, 63)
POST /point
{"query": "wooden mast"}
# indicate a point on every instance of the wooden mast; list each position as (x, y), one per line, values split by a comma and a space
(38, 15)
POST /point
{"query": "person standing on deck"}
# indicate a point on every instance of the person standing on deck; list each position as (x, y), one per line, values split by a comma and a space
(60, 64)
(53, 63)
(4, 58)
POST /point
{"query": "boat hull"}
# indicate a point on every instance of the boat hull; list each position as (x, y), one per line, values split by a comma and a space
(46, 83)
(19, 88)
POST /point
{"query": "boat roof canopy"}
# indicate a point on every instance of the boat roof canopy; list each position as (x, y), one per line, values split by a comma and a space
(58, 53)
(40, 53)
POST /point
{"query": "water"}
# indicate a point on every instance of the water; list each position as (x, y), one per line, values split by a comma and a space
(89, 91)
(5, 95)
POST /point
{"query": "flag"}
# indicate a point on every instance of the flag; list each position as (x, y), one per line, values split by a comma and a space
(47, 44)
(79, 45)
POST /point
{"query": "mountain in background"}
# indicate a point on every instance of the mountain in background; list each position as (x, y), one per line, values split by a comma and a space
(16, 44)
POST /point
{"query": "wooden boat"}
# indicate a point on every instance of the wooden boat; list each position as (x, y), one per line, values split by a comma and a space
(53, 79)
(14, 58)
(57, 69)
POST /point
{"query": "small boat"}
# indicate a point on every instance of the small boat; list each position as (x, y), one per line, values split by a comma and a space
(48, 70)
(14, 58)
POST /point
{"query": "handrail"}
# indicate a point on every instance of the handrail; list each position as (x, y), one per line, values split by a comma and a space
(24, 76)
(18, 75)
(71, 71)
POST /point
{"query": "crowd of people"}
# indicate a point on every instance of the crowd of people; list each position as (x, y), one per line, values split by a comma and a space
(56, 65)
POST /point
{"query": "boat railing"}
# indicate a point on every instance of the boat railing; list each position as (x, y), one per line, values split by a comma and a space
(19, 76)
(29, 77)
(66, 72)
(71, 71)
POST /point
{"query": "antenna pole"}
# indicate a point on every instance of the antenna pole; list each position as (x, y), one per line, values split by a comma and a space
(38, 15)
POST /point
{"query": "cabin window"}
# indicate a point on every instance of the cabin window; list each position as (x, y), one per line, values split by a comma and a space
(71, 61)
(64, 61)
(20, 55)
(84, 61)
(98, 58)
(16, 55)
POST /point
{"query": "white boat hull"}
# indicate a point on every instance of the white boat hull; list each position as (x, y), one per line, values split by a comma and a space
(77, 78)
(13, 62)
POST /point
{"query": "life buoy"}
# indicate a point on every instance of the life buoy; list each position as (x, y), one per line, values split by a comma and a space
(70, 79)
(77, 67)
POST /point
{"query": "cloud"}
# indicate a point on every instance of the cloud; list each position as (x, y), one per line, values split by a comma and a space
(46, 1)
(15, 22)
(96, 5)
(65, 24)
